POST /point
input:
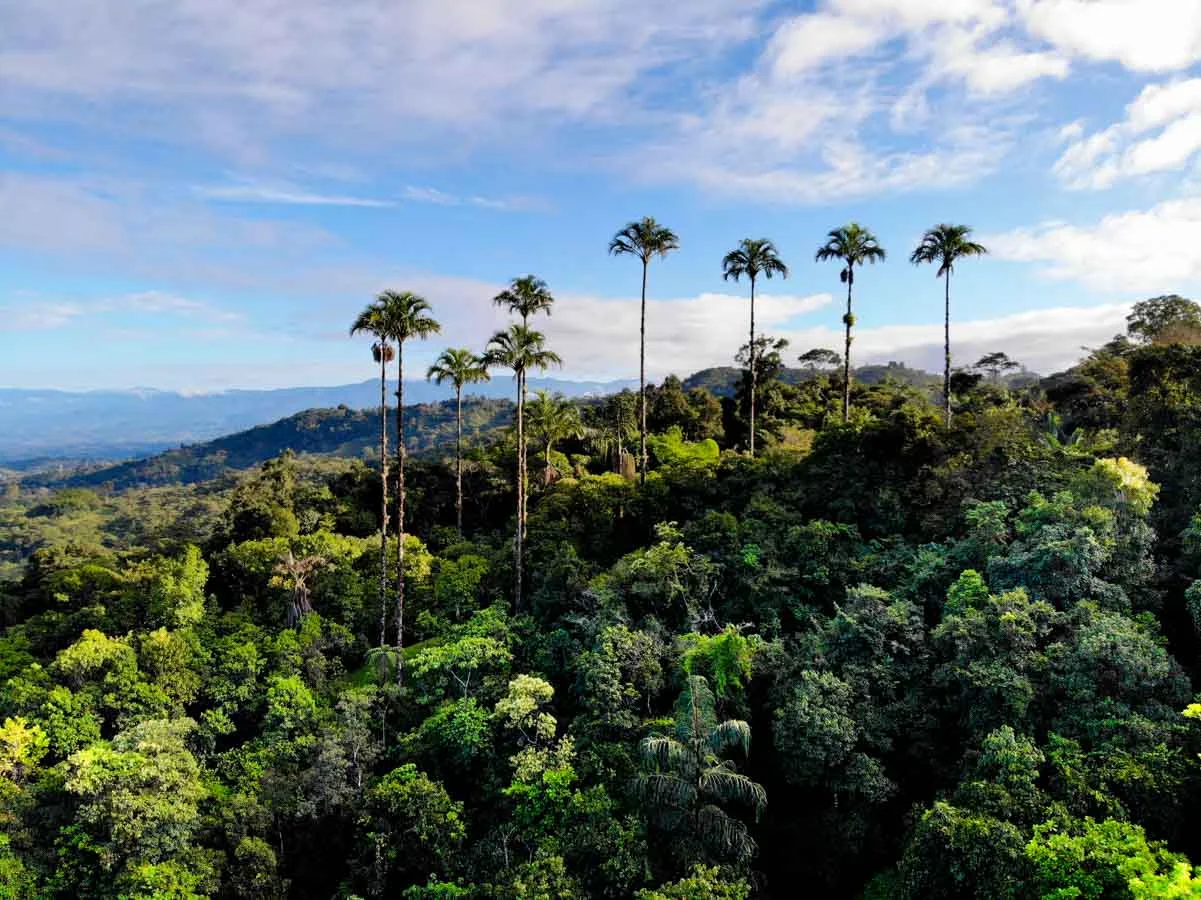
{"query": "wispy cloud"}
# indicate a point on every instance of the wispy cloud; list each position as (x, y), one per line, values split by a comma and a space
(255, 193)
(41, 314)
(437, 197)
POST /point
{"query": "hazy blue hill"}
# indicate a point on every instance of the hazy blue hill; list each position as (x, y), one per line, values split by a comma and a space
(121, 424)
(339, 431)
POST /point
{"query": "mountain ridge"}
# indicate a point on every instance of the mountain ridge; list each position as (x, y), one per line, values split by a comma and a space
(47, 424)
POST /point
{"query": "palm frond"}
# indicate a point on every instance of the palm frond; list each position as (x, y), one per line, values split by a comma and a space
(723, 783)
(664, 791)
(717, 829)
(730, 734)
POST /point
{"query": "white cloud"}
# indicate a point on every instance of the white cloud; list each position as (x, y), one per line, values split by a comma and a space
(1044, 340)
(839, 104)
(1145, 251)
(1161, 133)
(247, 75)
(1142, 35)
(806, 42)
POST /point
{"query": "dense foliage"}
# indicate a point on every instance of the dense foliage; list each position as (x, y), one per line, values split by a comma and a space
(887, 658)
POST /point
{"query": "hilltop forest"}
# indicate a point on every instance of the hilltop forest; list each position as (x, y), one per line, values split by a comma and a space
(811, 637)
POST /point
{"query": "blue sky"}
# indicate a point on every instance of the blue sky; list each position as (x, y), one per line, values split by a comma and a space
(200, 194)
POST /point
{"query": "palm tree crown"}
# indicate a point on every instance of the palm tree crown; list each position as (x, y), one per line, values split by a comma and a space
(406, 315)
(370, 321)
(526, 296)
(520, 348)
(644, 239)
(553, 418)
(946, 245)
(460, 367)
(854, 245)
(753, 257)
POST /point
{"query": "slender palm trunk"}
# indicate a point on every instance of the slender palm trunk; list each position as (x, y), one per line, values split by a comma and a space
(642, 383)
(946, 372)
(846, 359)
(459, 458)
(383, 519)
(400, 513)
(518, 544)
(754, 369)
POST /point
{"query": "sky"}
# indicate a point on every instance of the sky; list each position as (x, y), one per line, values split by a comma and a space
(202, 194)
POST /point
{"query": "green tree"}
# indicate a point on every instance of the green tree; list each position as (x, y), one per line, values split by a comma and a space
(995, 364)
(644, 239)
(753, 257)
(852, 245)
(1171, 319)
(520, 348)
(685, 778)
(137, 804)
(410, 828)
(405, 317)
(372, 321)
(551, 419)
(946, 245)
(820, 358)
(460, 367)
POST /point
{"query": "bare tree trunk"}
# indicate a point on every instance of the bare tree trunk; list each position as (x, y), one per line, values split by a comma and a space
(946, 372)
(846, 360)
(383, 527)
(754, 370)
(642, 383)
(520, 537)
(400, 513)
(459, 458)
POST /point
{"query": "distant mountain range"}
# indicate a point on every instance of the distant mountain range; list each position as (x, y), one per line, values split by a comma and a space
(340, 431)
(47, 425)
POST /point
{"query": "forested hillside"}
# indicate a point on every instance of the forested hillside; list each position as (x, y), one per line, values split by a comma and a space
(334, 432)
(898, 655)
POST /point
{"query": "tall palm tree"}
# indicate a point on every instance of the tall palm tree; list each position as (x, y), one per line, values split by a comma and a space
(753, 257)
(460, 367)
(685, 777)
(644, 239)
(520, 348)
(371, 321)
(551, 419)
(853, 245)
(526, 296)
(946, 245)
(406, 317)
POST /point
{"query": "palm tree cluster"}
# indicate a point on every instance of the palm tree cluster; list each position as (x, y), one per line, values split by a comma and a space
(396, 317)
